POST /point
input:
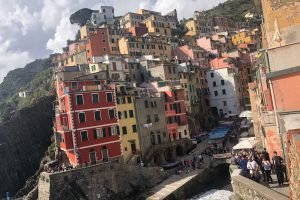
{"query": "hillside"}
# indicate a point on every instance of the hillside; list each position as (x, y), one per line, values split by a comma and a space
(81, 16)
(20, 77)
(35, 77)
(235, 9)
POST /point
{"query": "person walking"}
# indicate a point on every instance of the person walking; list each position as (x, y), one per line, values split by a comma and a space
(277, 163)
(267, 169)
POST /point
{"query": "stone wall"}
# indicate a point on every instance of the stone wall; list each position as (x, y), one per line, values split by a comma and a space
(104, 181)
(247, 189)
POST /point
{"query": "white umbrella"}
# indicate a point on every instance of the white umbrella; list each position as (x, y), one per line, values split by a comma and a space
(245, 144)
(246, 113)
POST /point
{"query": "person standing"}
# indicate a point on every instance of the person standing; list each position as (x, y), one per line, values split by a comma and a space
(267, 169)
(277, 163)
(243, 165)
(252, 166)
(266, 154)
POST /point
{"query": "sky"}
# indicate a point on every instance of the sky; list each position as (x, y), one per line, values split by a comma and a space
(32, 29)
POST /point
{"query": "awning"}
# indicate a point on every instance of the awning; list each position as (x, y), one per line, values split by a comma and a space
(218, 133)
(247, 114)
(245, 144)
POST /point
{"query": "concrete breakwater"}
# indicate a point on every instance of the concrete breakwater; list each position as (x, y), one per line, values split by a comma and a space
(185, 186)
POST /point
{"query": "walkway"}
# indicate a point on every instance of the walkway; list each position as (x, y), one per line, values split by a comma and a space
(284, 190)
(173, 183)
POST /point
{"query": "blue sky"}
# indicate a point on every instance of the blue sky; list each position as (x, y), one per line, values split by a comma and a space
(31, 29)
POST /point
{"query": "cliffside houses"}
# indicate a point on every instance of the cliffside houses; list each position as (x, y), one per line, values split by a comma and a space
(131, 88)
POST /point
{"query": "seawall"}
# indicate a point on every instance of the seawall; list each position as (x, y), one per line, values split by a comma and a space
(103, 181)
(246, 189)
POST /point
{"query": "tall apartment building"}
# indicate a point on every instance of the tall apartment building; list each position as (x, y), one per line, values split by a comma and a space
(200, 23)
(97, 44)
(86, 123)
(129, 135)
(152, 128)
(104, 16)
(223, 86)
(277, 83)
(147, 45)
(175, 111)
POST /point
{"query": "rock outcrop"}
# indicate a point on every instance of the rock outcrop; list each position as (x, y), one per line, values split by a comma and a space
(81, 16)
(23, 142)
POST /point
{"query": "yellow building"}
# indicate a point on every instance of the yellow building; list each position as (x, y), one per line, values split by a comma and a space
(129, 135)
(114, 36)
(148, 45)
(158, 24)
(87, 29)
(200, 23)
(243, 37)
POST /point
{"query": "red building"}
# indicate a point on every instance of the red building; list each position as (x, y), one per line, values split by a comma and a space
(98, 44)
(175, 110)
(86, 123)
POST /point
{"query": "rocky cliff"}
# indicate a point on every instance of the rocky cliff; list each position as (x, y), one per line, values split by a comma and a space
(81, 16)
(23, 141)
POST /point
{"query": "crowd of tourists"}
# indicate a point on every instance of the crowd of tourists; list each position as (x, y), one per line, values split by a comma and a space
(257, 165)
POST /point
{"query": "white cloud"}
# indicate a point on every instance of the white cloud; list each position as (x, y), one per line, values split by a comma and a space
(10, 60)
(64, 31)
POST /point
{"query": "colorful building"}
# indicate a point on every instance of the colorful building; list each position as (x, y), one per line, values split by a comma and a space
(129, 135)
(138, 30)
(243, 37)
(147, 45)
(157, 24)
(86, 122)
(97, 44)
(201, 23)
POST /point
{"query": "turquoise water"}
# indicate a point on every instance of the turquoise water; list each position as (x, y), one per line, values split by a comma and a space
(213, 195)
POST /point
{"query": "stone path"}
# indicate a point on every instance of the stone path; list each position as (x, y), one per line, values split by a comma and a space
(173, 183)
(284, 190)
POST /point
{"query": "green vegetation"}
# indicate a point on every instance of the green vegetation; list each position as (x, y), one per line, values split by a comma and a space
(234, 9)
(35, 78)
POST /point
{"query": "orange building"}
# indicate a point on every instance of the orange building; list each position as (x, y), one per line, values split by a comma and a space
(97, 44)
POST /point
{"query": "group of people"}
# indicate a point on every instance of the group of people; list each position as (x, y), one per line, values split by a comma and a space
(259, 165)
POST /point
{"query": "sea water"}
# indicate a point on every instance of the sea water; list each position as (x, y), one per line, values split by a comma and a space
(213, 195)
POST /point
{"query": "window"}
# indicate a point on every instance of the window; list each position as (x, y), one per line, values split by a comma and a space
(84, 135)
(166, 107)
(131, 113)
(146, 104)
(224, 92)
(148, 119)
(212, 75)
(185, 133)
(111, 113)
(124, 130)
(125, 114)
(109, 131)
(129, 100)
(222, 82)
(97, 115)
(170, 70)
(216, 93)
(134, 129)
(103, 132)
(74, 85)
(81, 117)
(97, 133)
(103, 41)
(156, 119)
(95, 98)
(120, 115)
(214, 84)
(79, 99)
(109, 97)
(165, 134)
(224, 103)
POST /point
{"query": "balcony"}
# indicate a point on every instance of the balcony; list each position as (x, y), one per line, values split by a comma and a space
(170, 113)
(268, 119)
(172, 126)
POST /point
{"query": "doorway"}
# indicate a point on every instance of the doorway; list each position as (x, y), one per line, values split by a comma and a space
(93, 157)
(133, 147)
(104, 154)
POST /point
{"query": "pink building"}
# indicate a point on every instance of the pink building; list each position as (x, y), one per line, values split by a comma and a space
(190, 53)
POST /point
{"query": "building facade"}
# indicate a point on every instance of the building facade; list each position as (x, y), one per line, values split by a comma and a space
(86, 123)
